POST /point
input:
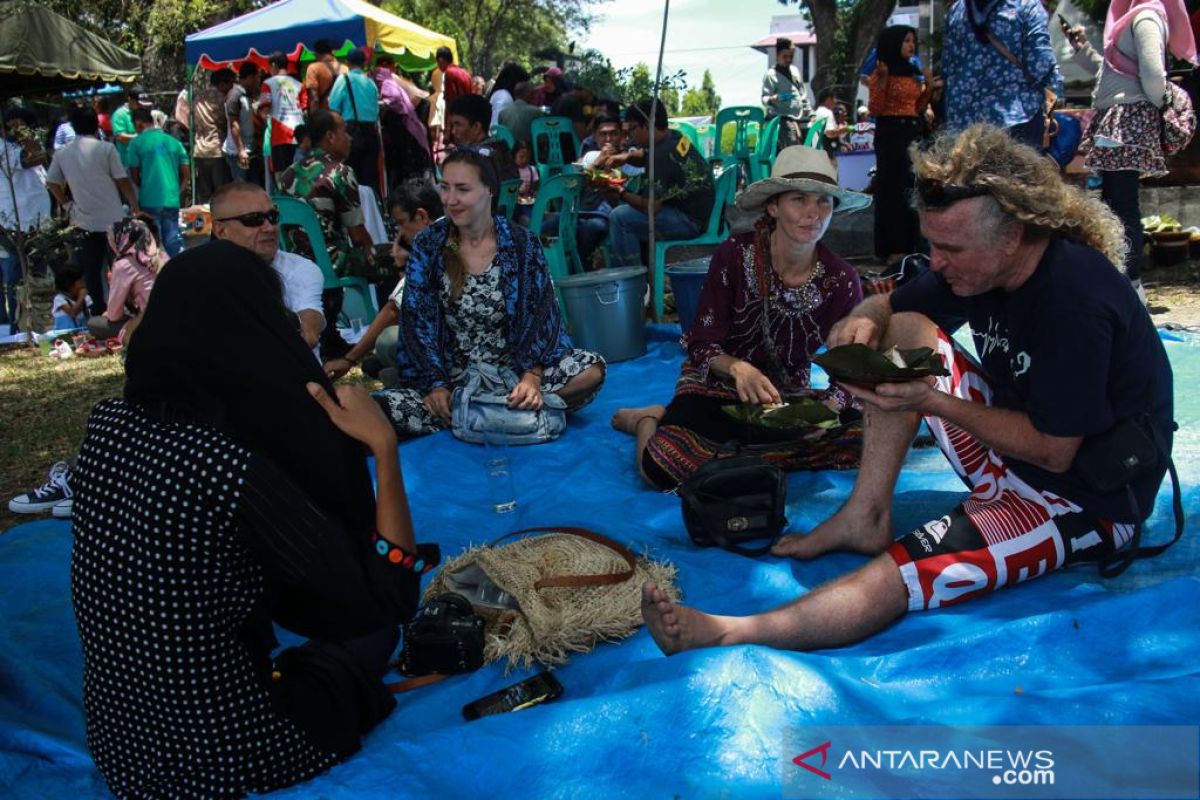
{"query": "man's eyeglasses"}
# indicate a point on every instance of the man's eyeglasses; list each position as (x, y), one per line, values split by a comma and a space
(938, 194)
(254, 219)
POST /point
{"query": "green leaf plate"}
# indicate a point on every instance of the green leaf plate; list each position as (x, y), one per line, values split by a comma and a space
(860, 365)
(797, 414)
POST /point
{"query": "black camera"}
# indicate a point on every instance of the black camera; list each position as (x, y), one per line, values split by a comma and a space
(444, 637)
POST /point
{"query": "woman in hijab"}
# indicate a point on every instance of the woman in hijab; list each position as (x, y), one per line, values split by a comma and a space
(1123, 143)
(226, 491)
(899, 95)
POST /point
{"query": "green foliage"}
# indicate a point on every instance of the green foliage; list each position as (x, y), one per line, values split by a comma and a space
(170, 21)
(593, 70)
(635, 82)
(490, 32)
(703, 101)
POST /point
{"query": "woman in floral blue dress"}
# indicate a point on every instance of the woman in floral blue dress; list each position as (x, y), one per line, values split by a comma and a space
(478, 291)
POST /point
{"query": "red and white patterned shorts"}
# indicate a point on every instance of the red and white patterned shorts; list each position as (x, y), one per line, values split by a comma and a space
(1006, 532)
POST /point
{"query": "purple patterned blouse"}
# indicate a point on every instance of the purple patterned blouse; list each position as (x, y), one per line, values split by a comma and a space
(729, 320)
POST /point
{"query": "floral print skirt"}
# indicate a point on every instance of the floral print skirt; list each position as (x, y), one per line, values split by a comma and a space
(1125, 137)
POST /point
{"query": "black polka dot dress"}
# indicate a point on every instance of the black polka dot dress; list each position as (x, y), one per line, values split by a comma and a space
(186, 546)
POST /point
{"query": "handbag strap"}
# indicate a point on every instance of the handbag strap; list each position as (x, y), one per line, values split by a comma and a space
(559, 581)
(1116, 563)
(350, 91)
(400, 687)
(1051, 97)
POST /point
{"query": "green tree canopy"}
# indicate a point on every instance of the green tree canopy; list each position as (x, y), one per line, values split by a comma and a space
(490, 32)
(703, 101)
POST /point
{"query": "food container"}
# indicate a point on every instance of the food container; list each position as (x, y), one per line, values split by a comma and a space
(1170, 247)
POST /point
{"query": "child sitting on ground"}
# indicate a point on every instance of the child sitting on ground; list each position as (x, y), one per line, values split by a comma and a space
(71, 304)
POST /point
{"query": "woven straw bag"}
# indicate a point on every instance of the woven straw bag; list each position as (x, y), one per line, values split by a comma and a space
(574, 588)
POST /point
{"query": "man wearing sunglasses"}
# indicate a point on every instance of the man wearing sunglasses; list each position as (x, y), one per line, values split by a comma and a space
(244, 214)
(1066, 361)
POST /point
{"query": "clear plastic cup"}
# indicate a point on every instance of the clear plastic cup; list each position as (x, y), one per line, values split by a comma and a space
(502, 490)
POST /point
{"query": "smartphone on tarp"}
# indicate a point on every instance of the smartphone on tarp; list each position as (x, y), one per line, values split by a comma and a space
(529, 692)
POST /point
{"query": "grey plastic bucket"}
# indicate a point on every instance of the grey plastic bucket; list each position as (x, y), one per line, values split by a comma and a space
(604, 310)
(687, 279)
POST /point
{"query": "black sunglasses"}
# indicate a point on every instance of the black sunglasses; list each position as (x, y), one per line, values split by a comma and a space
(937, 194)
(254, 219)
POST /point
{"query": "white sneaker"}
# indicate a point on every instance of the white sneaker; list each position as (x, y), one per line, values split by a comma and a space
(62, 509)
(44, 498)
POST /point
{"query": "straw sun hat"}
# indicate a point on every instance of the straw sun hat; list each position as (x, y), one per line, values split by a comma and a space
(801, 169)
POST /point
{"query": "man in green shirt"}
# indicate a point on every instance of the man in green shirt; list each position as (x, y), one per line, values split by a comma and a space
(122, 121)
(158, 165)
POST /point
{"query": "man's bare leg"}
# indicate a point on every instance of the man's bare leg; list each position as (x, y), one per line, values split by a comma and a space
(864, 523)
(841, 612)
(642, 423)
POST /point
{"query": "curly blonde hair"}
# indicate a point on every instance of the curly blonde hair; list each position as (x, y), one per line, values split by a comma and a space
(1024, 184)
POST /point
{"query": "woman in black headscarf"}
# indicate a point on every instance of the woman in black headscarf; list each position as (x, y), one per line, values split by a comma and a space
(228, 490)
(899, 96)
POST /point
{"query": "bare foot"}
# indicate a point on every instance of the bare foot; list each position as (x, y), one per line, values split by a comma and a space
(626, 419)
(868, 532)
(676, 628)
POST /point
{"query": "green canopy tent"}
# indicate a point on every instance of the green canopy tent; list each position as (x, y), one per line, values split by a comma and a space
(45, 53)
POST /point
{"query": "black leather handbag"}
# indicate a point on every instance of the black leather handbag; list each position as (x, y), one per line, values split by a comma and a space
(730, 502)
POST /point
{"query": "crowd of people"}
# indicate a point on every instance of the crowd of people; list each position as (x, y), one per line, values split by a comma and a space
(280, 522)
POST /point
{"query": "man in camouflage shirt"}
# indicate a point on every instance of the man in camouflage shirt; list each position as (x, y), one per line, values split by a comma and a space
(330, 188)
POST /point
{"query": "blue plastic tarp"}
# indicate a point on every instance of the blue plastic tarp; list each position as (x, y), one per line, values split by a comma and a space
(1065, 649)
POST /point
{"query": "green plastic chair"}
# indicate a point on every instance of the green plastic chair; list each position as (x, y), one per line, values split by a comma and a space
(502, 132)
(717, 232)
(739, 152)
(559, 195)
(295, 213)
(547, 135)
(506, 203)
(705, 137)
(688, 130)
(816, 134)
(764, 151)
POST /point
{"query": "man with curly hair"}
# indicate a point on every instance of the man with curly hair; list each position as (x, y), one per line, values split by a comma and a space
(1064, 353)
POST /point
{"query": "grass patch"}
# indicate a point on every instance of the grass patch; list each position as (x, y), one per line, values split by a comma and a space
(46, 404)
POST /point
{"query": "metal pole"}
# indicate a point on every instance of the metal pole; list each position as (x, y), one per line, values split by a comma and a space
(650, 249)
(191, 77)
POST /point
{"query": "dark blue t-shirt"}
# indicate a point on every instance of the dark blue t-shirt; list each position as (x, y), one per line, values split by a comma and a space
(1073, 348)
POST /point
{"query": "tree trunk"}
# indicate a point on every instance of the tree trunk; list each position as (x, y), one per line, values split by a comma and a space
(871, 16)
(824, 15)
(837, 62)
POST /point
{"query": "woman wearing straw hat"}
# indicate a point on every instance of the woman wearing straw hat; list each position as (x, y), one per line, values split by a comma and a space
(770, 298)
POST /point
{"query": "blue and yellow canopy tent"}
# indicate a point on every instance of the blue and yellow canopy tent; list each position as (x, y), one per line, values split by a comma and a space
(293, 26)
